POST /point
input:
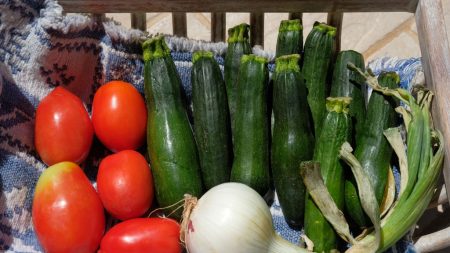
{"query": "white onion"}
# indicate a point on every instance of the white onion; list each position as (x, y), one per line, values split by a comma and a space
(233, 218)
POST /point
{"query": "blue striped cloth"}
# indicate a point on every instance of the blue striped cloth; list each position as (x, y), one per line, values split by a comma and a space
(41, 49)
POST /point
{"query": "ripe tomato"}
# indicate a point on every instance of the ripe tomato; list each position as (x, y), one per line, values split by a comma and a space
(119, 116)
(156, 235)
(63, 130)
(67, 213)
(125, 184)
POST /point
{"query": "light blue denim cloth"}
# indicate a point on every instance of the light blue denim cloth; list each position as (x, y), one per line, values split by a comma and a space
(41, 49)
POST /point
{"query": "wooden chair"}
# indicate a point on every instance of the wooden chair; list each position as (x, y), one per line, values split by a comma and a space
(430, 26)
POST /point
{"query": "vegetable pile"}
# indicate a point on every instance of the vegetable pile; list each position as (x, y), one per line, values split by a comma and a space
(68, 212)
(212, 176)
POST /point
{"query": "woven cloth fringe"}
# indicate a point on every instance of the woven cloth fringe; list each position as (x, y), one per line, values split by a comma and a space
(40, 49)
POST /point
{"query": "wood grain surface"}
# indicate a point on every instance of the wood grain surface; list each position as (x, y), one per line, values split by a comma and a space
(179, 24)
(108, 6)
(218, 29)
(436, 63)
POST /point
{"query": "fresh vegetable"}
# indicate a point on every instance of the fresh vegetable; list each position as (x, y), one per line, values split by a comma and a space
(67, 213)
(125, 184)
(232, 217)
(119, 116)
(336, 131)
(372, 148)
(421, 180)
(63, 130)
(156, 235)
(353, 206)
(238, 45)
(317, 190)
(170, 141)
(319, 50)
(292, 140)
(290, 38)
(211, 120)
(251, 136)
(322, 198)
(418, 142)
(348, 84)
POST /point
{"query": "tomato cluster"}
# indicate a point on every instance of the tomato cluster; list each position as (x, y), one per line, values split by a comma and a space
(68, 213)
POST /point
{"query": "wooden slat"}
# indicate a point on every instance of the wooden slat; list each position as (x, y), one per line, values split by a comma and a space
(435, 241)
(139, 20)
(335, 19)
(257, 28)
(99, 17)
(436, 64)
(218, 26)
(296, 15)
(389, 37)
(104, 6)
(179, 24)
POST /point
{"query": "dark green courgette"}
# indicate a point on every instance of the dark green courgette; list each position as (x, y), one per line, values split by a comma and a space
(347, 83)
(211, 120)
(290, 38)
(336, 130)
(292, 140)
(372, 148)
(238, 45)
(251, 139)
(170, 141)
(320, 46)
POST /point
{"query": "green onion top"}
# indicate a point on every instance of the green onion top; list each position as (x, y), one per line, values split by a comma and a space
(201, 54)
(338, 104)
(287, 62)
(331, 30)
(155, 48)
(251, 57)
(290, 25)
(238, 33)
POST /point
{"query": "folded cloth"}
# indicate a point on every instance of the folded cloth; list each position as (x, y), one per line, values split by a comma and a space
(41, 49)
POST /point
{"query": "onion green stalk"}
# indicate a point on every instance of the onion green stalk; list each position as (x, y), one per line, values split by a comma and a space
(389, 193)
(423, 165)
(394, 138)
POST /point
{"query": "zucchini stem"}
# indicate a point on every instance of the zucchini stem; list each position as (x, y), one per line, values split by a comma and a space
(239, 33)
(401, 94)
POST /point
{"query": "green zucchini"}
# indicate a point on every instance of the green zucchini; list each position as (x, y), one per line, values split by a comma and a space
(336, 130)
(290, 38)
(211, 120)
(347, 83)
(170, 141)
(372, 148)
(320, 46)
(238, 45)
(292, 140)
(251, 141)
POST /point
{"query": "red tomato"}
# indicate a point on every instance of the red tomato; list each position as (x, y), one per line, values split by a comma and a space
(125, 184)
(63, 130)
(155, 235)
(119, 116)
(67, 213)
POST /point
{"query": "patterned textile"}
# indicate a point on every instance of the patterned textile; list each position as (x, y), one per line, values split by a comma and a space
(41, 49)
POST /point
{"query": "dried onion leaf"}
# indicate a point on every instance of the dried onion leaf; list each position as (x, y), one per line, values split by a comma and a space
(310, 172)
